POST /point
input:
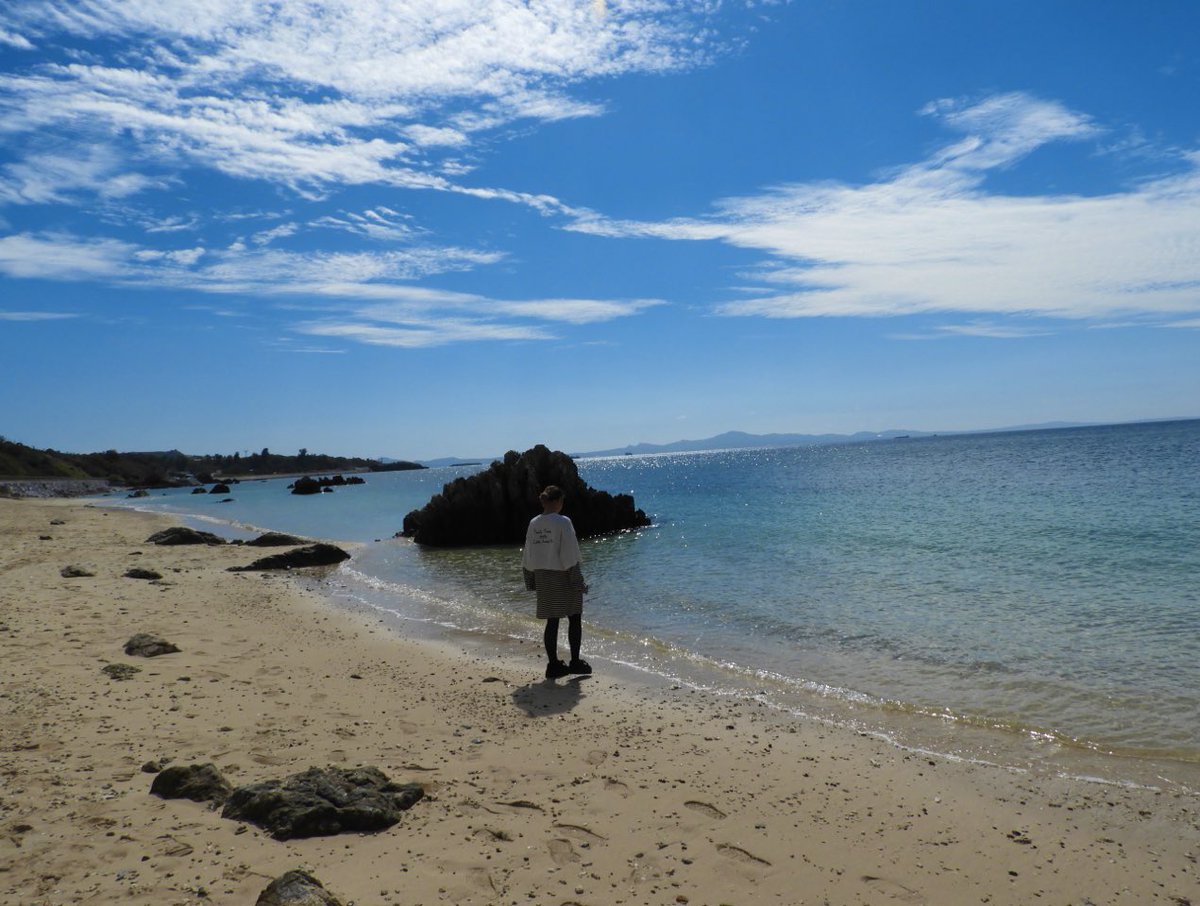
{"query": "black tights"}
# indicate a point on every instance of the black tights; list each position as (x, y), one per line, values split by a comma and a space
(574, 636)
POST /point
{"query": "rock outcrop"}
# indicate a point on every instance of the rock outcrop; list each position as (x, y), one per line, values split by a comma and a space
(197, 782)
(146, 645)
(320, 554)
(139, 572)
(180, 534)
(495, 506)
(323, 801)
(296, 888)
(276, 539)
(306, 485)
(310, 485)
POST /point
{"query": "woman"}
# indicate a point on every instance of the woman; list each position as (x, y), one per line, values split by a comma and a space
(551, 565)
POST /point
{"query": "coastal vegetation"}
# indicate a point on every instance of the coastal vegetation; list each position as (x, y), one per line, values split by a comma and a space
(172, 468)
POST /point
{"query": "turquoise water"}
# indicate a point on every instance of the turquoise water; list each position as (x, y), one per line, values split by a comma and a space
(1041, 584)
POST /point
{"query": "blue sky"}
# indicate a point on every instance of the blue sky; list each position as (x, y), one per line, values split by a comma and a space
(450, 228)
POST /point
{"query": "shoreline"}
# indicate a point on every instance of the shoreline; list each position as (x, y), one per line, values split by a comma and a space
(916, 729)
(592, 791)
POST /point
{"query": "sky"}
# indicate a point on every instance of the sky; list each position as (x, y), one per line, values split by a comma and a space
(426, 228)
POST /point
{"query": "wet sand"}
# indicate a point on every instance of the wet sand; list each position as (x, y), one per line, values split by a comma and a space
(586, 791)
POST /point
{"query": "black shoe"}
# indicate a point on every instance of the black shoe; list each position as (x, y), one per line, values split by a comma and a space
(582, 668)
(555, 669)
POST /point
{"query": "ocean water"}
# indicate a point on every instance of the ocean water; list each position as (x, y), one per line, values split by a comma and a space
(1026, 597)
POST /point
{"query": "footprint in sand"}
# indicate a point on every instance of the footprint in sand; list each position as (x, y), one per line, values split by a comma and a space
(741, 855)
(704, 808)
(580, 832)
(615, 786)
(894, 889)
(596, 756)
(562, 852)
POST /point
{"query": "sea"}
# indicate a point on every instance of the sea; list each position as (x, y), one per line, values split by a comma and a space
(1029, 599)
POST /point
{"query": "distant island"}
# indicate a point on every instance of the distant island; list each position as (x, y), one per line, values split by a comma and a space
(172, 468)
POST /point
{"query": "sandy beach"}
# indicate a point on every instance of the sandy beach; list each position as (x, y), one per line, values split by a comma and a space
(593, 791)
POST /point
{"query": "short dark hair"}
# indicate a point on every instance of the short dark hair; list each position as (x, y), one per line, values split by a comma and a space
(550, 493)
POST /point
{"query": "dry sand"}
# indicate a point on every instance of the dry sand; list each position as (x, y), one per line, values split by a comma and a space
(591, 791)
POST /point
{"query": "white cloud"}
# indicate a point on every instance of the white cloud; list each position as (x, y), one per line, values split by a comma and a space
(35, 315)
(319, 93)
(371, 295)
(14, 40)
(50, 177)
(983, 329)
(266, 237)
(576, 311)
(932, 238)
(417, 334)
(61, 257)
(381, 224)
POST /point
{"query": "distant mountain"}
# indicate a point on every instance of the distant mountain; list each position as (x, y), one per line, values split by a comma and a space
(740, 440)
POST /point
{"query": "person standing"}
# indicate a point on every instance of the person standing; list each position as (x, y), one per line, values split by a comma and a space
(552, 567)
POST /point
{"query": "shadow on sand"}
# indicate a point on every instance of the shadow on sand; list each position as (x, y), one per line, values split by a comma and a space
(548, 697)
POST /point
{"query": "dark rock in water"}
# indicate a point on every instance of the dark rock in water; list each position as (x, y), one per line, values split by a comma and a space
(138, 573)
(146, 645)
(140, 492)
(76, 572)
(120, 672)
(306, 485)
(275, 539)
(180, 534)
(495, 506)
(323, 801)
(219, 489)
(296, 888)
(310, 485)
(198, 782)
(199, 491)
(313, 555)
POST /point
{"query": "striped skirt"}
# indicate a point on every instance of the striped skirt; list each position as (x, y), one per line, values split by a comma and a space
(559, 591)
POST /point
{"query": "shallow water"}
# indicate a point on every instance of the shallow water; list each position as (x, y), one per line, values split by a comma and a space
(1042, 584)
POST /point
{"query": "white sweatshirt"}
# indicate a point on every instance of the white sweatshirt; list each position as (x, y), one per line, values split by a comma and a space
(550, 543)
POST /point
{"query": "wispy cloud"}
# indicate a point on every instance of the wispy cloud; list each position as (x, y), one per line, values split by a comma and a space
(321, 93)
(932, 236)
(56, 177)
(381, 224)
(364, 297)
(63, 257)
(14, 40)
(35, 315)
(982, 329)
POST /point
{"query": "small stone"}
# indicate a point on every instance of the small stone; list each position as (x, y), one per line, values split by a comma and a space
(139, 573)
(120, 671)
